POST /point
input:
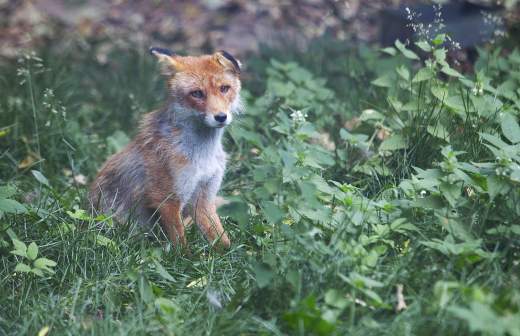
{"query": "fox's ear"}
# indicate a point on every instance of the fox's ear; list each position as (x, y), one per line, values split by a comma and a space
(228, 61)
(167, 59)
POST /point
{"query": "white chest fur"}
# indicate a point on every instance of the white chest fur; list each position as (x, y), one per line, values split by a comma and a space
(203, 173)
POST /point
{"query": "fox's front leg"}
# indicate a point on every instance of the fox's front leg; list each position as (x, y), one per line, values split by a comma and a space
(171, 220)
(206, 217)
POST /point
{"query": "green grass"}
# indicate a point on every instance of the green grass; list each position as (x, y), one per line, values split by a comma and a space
(423, 193)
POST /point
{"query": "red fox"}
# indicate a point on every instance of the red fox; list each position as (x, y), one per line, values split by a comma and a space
(175, 164)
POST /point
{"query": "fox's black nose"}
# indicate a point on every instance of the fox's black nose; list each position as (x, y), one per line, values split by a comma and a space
(221, 117)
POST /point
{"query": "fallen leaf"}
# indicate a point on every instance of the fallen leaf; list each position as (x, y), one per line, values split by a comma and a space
(44, 331)
(29, 161)
(199, 282)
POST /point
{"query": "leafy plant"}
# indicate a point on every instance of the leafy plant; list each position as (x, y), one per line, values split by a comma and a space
(38, 266)
(7, 204)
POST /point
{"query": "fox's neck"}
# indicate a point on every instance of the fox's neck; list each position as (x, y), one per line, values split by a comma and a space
(188, 132)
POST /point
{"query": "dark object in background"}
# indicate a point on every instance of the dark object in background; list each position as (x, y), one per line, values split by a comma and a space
(464, 22)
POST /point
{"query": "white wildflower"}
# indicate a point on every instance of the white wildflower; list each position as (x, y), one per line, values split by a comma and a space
(298, 117)
(80, 179)
(478, 89)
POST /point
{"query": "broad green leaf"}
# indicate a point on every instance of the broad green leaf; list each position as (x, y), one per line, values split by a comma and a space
(271, 211)
(497, 186)
(486, 105)
(166, 306)
(7, 191)
(395, 142)
(456, 103)
(240, 134)
(79, 214)
(422, 75)
(374, 297)
(263, 274)
(163, 272)
(396, 104)
(439, 39)
(451, 72)
(40, 178)
(44, 263)
(403, 72)
(440, 92)
(384, 81)
(402, 224)
(39, 272)
(335, 299)
(361, 281)
(439, 131)
(318, 158)
(11, 206)
(440, 55)
(21, 267)
(389, 50)
(515, 175)
(469, 249)
(32, 251)
(19, 253)
(429, 202)
(370, 114)
(424, 46)
(456, 228)
(510, 128)
(406, 52)
(494, 140)
(322, 185)
(20, 246)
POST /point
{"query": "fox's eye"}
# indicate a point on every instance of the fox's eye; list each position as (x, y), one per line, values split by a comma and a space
(224, 88)
(197, 94)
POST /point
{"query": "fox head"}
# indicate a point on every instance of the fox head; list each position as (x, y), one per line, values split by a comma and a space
(205, 88)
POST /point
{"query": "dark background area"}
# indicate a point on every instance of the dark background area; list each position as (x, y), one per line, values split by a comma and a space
(238, 26)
